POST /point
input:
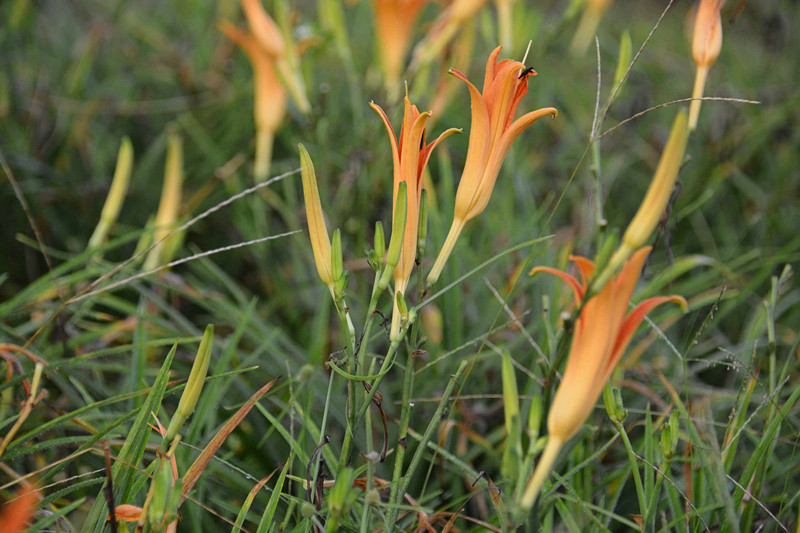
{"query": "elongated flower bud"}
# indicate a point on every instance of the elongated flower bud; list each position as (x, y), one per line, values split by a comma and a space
(655, 200)
(317, 230)
(706, 45)
(337, 264)
(380, 241)
(194, 385)
(396, 241)
(169, 206)
(116, 194)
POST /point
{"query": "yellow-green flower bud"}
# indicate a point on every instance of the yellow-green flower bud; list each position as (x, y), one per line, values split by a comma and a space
(317, 230)
(194, 385)
(337, 265)
(422, 227)
(116, 194)
(396, 242)
(380, 242)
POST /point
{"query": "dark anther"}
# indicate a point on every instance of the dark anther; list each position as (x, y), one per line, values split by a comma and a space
(527, 71)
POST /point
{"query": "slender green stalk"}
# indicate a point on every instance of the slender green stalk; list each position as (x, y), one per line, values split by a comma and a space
(637, 477)
(405, 416)
(426, 437)
(349, 330)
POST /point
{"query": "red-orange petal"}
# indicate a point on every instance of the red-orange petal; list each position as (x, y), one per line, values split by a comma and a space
(585, 267)
(633, 320)
(577, 290)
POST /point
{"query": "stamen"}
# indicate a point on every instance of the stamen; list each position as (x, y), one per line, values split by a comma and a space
(526, 51)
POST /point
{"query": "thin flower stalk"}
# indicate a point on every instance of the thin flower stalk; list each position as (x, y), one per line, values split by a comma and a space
(410, 155)
(706, 46)
(587, 27)
(492, 132)
(603, 330)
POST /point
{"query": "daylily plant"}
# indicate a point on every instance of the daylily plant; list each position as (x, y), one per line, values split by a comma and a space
(492, 132)
(603, 331)
(410, 154)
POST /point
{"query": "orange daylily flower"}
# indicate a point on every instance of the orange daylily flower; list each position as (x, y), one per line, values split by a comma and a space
(706, 45)
(602, 333)
(394, 25)
(492, 132)
(280, 47)
(410, 154)
(270, 96)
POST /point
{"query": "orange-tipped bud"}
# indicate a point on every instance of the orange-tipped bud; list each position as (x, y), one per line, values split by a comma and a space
(706, 45)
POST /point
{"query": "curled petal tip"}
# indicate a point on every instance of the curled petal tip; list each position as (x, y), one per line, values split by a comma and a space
(681, 301)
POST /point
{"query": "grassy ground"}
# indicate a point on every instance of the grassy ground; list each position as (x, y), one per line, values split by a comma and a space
(720, 382)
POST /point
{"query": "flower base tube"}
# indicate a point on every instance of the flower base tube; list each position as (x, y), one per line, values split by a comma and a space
(264, 140)
(699, 87)
(444, 254)
(539, 476)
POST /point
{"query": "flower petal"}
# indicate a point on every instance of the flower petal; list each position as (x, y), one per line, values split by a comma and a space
(392, 140)
(585, 266)
(624, 284)
(425, 155)
(577, 290)
(491, 67)
(632, 322)
(498, 154)
(477, 151)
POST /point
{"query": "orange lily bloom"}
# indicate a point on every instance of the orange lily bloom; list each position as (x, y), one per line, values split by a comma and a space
(706, 45)
(492, 132)
(394, 25)
(279, 46)
(602, 333)
(410, 155)
(270, 96)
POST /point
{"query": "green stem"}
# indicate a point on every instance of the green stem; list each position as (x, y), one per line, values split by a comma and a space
(637, 478)
(347, 327)
(405, 416)
(387, 362)
(426, 437)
